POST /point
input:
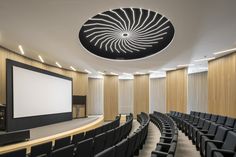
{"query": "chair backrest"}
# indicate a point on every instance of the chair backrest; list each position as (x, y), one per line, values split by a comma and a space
(85, 148)
(121, 148)
(206, 125)
(172, 148)
(220, 133)
(67, 151)
(200, 123)
(41, 149)
(99, 143)
(202, 115)
(110, 138)
(131, 143)
(62, 142)
(117, 134)
(110, 152)
(196, 114)
(229, 142)
(207, 116)
(17, 153)
(230, 122)
(213, 118)
(77, 138)
(212, 129)
(89, 134)
(98, 131)
(221, 120)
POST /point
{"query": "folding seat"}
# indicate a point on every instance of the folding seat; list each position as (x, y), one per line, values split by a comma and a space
(67, 151)
(77, 138)
(219, 136)
(121, 148)
(99, 143)
(110, 152)
(122, 131)
(186, 122)
(202, 125)
(89, 134)
(221, 120)
(229, 123)
(227, 148)
(207, 116)
(131, 143)
(85, 148)
(110, 136)
(189, 126)
(219, 154)
(163, 149)
(213, 118)
(44, 148)
(62, 142)
(192, 113)
(211, 131)
(202, 115)
(17, 153)
(137, 142)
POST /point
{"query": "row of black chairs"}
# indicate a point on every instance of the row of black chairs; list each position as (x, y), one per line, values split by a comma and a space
(131, 145)
(213, 135)
(77, 141)
(169, 135)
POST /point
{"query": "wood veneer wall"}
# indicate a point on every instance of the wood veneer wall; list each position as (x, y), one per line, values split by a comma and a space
(80, 80)
(176, 90)
(141, 94)
(110, 97)
(222, 85)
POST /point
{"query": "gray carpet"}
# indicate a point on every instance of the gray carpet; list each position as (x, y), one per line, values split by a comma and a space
(53, 129)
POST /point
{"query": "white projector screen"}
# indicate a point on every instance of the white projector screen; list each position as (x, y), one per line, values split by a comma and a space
(36, 94)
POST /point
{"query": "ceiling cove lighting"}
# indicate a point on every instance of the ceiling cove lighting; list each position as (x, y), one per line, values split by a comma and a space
(139, 73)
(58, 65)
(168, 69)
(102, 73)
(204, 59)
(41, 59)
(185, 65)
(112, 73)
(225, 51)
(72, 68)
(127, 74)
(87, 71)
(21, 50)
(152, 71)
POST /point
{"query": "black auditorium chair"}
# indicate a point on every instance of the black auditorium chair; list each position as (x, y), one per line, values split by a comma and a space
(121, 148)
(41, 149)
(84, 148)
(169, 139)
(67, 151)
(62, 142)
(131, 143)
(98, 131)
(137, 141)
(207, 116)
(204, 128)
(77, 138)
(99, 143)
(219, 136)
(190, 127)
(17, 153)
(193, 128)
(213, 118)
(229, 123)
(211, 131)
(221, 120)
(163, 149)
(110, 136)
(226, 148)
(110, 152)
(117, 135)
(89, 134)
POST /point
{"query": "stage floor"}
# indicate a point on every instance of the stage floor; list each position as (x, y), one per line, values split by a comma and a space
(53, 129)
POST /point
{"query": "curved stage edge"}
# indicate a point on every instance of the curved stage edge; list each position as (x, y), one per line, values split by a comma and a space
(28, 144)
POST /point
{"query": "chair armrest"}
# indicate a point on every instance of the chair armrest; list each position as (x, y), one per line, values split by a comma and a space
(228, 153)
(199, 127)
(204, 131)
(210, 136)
(217, 143)
(159, 153)
(163, 137)
(164, 144)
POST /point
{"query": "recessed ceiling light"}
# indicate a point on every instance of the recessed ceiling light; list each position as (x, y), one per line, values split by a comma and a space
(41, 59)
(87, 71)
(204, 59)
(72, 68)
(112, 73)
(58, 65)
(185, 65)
(101, 73)
(127, 74)
(225, 51)
(21, 50)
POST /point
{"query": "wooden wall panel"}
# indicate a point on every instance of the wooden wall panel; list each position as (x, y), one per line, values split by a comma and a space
(222, 85)
(176, 90)
(110, 97)
(141, 94)
(80, 80)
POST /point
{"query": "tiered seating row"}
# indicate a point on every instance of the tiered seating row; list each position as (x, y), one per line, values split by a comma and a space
(213, 135)
(131, 145)
(169, 135)
(83, 144)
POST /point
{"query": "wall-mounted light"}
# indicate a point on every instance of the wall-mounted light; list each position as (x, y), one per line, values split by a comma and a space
(58, 65)
(41, 59)
(87, 71)
(72, 68)
(21, 49)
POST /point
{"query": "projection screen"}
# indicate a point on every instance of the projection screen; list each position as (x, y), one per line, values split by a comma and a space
(37, 94)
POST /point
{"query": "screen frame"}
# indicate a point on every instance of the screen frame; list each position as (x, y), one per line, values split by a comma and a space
(14, 124)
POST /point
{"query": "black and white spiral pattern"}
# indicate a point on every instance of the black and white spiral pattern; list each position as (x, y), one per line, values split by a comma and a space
(126, 33)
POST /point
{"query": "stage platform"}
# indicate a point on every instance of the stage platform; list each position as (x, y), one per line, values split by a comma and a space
(51, 132)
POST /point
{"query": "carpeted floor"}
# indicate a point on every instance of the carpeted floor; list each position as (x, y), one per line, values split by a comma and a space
(185, 148)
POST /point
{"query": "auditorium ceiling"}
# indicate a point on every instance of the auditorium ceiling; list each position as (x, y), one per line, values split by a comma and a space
(120, 36)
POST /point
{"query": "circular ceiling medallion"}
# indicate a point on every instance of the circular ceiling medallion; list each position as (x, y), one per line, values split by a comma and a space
(126, 33)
